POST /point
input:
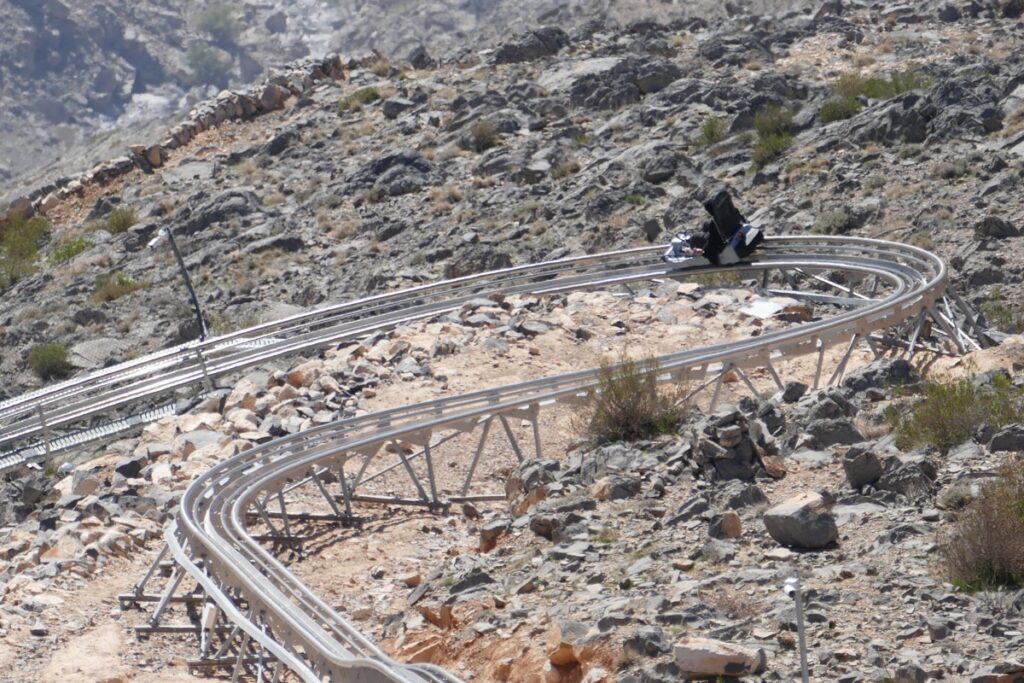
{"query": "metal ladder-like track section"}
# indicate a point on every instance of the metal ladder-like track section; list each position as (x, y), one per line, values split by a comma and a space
(887, 293)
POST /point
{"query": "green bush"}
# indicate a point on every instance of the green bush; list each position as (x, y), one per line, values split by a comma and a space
(120, 219)
(837, 222)
(880, 87)
(209, 65)
(769, 148)
(68, 248)
(20, 240)
(635, 199)
(111, 287)
(49, 361)
(949, 412)
(774, 127)
(220, 23)
(356, 100)
(628, 404)
(483, 135)
(712, 131)
(839, 108)
(773, 121)
(985, 547)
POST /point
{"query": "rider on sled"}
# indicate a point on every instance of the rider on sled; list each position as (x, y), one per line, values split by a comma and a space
(725, 239)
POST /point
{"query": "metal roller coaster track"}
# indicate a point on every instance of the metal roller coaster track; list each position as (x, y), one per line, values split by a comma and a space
(257, 617)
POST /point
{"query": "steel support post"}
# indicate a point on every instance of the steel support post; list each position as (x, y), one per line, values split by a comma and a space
(207, 380)
(410, 471)
(511, 437)
(140, 587)
(172, 586)
(746, 380)
(326, 495)
(837, 376)
(45, 428)
(917, 331)
(821, 361)
(429, 460)
(718, 387)
(775, 375)
(240, 662)
(476, 455)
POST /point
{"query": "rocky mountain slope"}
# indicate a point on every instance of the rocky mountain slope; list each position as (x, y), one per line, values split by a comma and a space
(340, 176)
(373, 173)
(80, 81)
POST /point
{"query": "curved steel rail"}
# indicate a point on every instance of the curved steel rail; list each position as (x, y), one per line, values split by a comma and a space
(211, 538)
(213, 517)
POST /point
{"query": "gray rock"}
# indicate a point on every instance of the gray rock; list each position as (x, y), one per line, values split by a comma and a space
(542, 42)
(834, 431)
(1009, 438)
(803, 521)
(911, 478)
(688, 510)
(880, 374)
(861, 466)
(394, 107)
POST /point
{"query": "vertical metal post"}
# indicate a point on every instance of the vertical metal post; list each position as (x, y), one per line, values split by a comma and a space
(206, 371)
(821, 360)
(798, 599)
(203, 331)
(476, 455)
(511, 437)
(46, 429)
(429, 460)
(718, 387)
(536, 434)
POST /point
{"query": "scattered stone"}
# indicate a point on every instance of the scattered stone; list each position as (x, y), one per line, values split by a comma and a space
(707, 657)
(803, 521)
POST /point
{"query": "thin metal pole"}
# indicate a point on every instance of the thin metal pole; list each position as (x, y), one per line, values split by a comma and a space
(536, 434)
(323, 490)
(476, 456)
(511, 437)
(429, 460)
(411, 472)
(798, 596)
(838, 374)
(821, 360)
(203, 331)
(172, 586)
(718, 387)
(775, 375)
(140, 587)
(206, 371)
(46, 429)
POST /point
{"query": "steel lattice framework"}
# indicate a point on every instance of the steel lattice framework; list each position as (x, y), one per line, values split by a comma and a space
(257, 617)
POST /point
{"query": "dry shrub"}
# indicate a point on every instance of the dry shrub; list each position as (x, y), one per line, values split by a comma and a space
(985, 547)
(629, 405)
(950, 410)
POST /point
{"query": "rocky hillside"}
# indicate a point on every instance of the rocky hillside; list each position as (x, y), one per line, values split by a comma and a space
(80, 81)
(340, 177)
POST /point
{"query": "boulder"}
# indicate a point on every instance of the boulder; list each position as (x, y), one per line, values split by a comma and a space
(829, 432)
(995, 227)
(725, 525)
(566, 642)
(803, 521)
(542, 42)
(394, 107)
(707, 657)
(881, 373)
(1010, 438)
(615, 487)
(862, 467)
(419, 58)
(911, 477)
